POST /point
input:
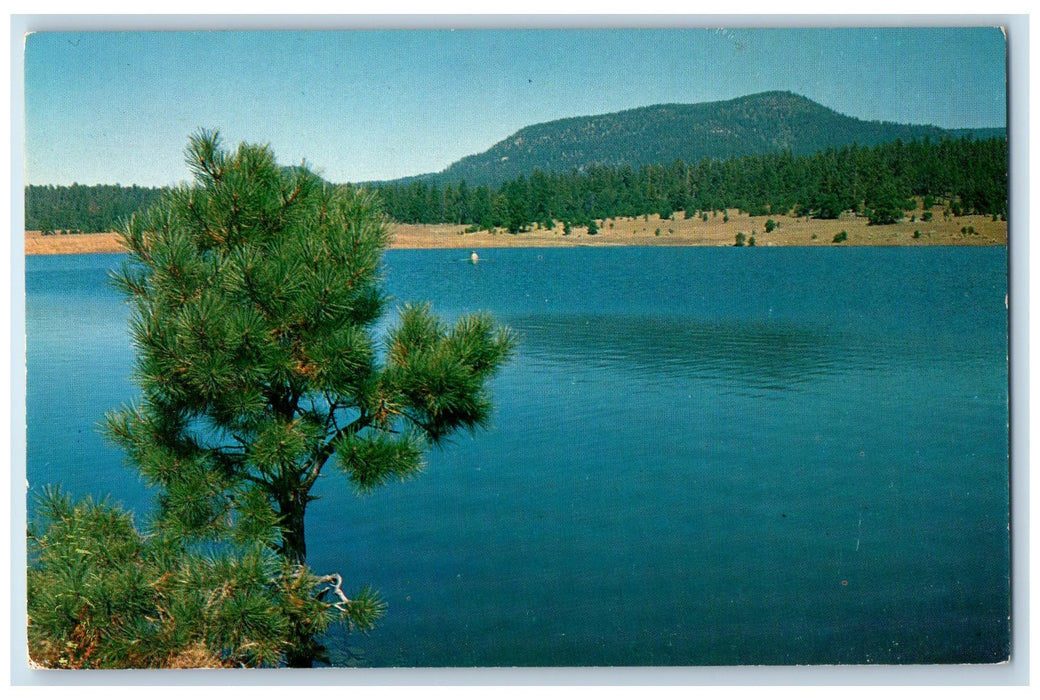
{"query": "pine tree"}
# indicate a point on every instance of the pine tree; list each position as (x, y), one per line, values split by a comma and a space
(254, 294)
(102, 594)
(884, 204)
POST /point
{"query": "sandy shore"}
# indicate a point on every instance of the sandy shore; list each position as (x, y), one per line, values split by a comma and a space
(645, 231)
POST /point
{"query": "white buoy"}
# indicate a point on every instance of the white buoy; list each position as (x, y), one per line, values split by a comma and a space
(474, 258)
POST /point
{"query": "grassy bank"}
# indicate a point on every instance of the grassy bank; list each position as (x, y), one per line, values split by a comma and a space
(719, 230)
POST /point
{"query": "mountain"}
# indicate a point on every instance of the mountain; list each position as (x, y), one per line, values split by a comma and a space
(767, 122)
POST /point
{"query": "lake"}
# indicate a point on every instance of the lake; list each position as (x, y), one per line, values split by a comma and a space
(699, 456)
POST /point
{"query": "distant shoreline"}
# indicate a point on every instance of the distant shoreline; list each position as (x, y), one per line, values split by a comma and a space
(718, 230)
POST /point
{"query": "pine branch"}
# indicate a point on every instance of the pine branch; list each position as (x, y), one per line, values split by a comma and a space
(335, 582)
(362, 611)
(321, 457)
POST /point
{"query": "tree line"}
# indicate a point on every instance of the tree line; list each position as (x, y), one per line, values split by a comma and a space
(879, 182)
(84, 208)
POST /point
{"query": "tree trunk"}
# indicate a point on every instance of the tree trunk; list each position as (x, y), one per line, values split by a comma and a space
(303, 653)
(294, 541)
(305, 648)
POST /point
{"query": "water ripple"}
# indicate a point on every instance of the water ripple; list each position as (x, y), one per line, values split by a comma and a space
(767, 355)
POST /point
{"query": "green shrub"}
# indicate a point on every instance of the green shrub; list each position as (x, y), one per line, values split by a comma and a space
(884, 214)
(103, 595)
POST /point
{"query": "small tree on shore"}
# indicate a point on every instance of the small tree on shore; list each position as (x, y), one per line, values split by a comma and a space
(254, 294)
(103, 594)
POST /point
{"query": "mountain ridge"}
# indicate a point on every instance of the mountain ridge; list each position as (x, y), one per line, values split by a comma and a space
(756, 124)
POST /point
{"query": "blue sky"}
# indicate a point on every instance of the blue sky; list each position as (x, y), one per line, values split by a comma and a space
(364, 104)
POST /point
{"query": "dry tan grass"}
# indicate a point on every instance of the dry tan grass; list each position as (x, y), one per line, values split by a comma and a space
(38, 244)
(679, 231)
(648, 231)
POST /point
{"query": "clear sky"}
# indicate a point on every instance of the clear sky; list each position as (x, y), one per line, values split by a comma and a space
(366, 105)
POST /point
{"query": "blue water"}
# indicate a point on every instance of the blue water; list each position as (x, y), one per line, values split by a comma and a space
(699, 456)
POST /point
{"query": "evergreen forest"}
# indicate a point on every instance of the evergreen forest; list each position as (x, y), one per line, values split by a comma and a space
(880, 182)
(84, 208)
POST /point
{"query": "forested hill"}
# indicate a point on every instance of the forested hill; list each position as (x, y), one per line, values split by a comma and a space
(767, 152)
(764, 123)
